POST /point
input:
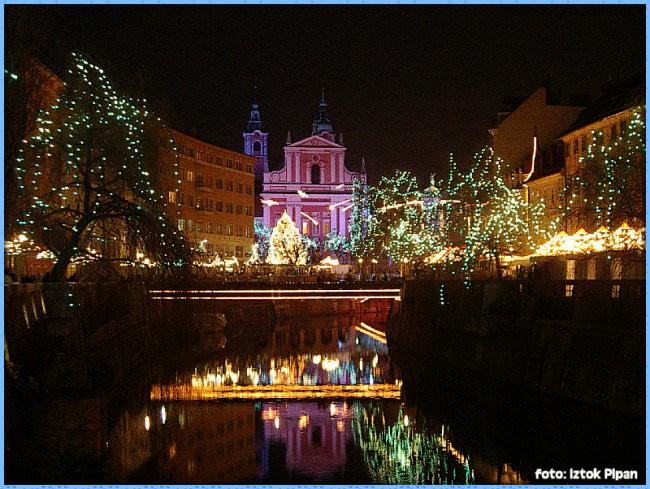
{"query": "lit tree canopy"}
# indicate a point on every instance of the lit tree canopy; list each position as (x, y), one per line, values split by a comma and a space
(610, 187)
(286, 244)
(89, 172)
(494, 219)
(262, 239)
(336, 243)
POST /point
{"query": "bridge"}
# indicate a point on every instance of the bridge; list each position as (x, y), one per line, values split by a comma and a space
(266, 292)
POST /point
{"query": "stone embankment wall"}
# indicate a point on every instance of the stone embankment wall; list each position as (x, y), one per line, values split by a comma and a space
(583, 340)
(63, 332)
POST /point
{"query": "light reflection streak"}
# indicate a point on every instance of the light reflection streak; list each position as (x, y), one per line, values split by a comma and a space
(200, 393)
(275, 294)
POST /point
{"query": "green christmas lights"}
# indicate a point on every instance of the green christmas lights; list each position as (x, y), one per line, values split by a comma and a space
(88, 172)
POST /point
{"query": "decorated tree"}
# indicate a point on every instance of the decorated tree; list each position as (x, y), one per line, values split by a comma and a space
(401, 218)
(609, 188)
(286, 244)
(494, 219)
(262, 239)
(89, 174)
(363, 221)
(336, 243)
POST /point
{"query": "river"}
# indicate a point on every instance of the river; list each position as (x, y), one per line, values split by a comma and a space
(295, 398)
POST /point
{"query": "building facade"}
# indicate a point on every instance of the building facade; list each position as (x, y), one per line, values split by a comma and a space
(598, 128)
(209, 193)
(314, 185)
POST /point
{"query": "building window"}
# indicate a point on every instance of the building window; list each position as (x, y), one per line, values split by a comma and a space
(189, 224)
(614, 133)
(229, 186)
(181, 224)
(248, 232)
(219, 229)
(208, 227)
(229, 163)
(199, 226)
(240, 188)
(315, 174)
(219, 161)
(623, 127)
(249, 168)
(208, 204)
(199, 203)
(228, 229)
(326, 227)
(575, 146)
(240, 167)
(249, 210)
(219, 183)
(583, 141)
(190, 152)
(240, 209)
(181, 198)
(172, 196)
(219, 206)
(199, 156)
(249, 190)
(239, 253)
(305, 227)
(567, 149)
(190, 176)
(190, 200)
(240, 230)
(229, 208)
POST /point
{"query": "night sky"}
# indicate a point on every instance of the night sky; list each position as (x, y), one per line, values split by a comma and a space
(406, 85)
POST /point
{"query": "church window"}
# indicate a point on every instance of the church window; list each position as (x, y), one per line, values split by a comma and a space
(257, 147)
(326, 227)
(305, 227)
(315, 174)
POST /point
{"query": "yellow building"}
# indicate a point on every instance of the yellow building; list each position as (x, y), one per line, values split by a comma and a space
(603, 131)
(209, 193)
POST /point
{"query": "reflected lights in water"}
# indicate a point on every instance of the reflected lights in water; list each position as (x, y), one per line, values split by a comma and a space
(405, 452)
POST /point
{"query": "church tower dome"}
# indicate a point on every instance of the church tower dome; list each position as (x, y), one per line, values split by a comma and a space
(323, 124)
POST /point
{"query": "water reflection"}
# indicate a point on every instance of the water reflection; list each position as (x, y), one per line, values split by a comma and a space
(307, 358)
(320, 403)
(330, 441)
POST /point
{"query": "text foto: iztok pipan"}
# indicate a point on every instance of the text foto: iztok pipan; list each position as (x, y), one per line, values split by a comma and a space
(610, 474)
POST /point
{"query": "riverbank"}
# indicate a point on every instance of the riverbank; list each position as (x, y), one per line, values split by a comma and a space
(579, 340)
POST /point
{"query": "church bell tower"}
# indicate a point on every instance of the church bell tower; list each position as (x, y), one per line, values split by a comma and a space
(256, 145)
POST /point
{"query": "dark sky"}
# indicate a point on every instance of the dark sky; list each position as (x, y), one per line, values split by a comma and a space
(406, 85)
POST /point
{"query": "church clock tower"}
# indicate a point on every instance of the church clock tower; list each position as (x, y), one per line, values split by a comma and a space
(255, 144)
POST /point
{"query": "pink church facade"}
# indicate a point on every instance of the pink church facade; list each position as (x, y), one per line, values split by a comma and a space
(314, 186)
